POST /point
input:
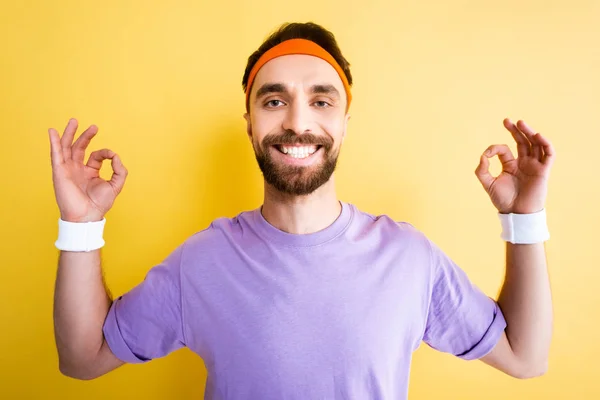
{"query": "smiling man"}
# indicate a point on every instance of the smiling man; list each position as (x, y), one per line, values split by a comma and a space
(299, 115)
(306, 296)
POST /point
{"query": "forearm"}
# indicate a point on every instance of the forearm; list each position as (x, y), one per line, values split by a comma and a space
(525, 300)
(81, 303)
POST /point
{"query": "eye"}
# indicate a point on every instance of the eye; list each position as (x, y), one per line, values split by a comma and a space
(270, 103)
(322, 104)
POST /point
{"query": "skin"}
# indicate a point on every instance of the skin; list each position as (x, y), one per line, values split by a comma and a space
(302, 112)
(525, 297)
(82, 300)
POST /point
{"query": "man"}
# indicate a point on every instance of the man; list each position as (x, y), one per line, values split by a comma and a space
(306, 296)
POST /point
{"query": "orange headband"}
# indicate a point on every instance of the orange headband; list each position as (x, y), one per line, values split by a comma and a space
(296, 46)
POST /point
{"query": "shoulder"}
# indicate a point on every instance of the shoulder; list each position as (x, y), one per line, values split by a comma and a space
(389, 230)
(220, 232)
(385, 221)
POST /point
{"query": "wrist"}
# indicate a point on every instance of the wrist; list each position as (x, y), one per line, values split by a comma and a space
(79, 220)
(527, 228)
(80, 236)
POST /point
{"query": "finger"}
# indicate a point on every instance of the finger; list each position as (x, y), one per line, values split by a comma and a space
(56, 155)
(96, 158)
(82, 142)
(536, 149)
(538, 144)
(523, 145)
(549, 154)
(119, 174)
(483, 172)
(503, 152)
(67, 138)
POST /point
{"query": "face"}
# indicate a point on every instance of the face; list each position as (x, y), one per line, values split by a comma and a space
(297, 122)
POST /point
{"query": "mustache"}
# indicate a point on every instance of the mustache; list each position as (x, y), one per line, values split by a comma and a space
(290, 137)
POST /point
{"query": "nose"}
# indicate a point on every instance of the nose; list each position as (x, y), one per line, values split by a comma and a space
(297, 118)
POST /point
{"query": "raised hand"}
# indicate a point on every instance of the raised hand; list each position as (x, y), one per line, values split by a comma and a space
(522, 186)
(81, 194)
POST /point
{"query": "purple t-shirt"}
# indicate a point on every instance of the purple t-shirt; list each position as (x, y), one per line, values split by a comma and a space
(335, 314)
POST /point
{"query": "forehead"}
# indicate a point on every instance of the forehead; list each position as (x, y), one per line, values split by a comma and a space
(298, 70)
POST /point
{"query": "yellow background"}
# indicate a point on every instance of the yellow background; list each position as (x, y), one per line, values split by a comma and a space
(433, 81)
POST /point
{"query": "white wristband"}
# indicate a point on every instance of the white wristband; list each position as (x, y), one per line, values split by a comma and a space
(80, 236)
(524, 228)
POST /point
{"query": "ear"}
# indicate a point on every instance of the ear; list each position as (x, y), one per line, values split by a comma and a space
(248, 126)
(346, 119)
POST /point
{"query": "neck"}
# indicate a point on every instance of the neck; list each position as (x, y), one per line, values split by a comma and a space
(301, 214)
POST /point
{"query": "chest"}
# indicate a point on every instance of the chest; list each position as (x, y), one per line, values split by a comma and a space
(296, 313)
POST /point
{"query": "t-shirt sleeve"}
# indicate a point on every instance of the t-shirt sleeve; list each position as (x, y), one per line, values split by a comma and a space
(146, 322)
(461, 319)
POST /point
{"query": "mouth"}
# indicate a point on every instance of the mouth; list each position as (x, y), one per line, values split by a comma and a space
(297, 151)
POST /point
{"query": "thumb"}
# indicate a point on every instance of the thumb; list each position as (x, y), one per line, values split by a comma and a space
(117, 179)
(483, 172)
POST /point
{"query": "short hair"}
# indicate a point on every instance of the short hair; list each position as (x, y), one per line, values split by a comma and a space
(296, 30)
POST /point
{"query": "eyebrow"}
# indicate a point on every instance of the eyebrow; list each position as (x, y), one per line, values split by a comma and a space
(268, 88)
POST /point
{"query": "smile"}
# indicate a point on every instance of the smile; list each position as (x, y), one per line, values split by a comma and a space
(296, 151)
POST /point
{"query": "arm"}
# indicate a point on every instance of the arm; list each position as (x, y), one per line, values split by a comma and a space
(81, 303)
(525, 298)
(94, 334)
(526, 303)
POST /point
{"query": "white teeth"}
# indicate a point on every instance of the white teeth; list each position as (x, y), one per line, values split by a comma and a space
(298, 151)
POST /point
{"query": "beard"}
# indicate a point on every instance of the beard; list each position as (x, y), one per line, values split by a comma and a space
(293, 179)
